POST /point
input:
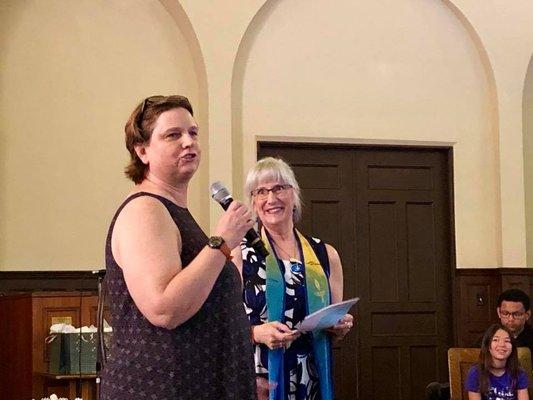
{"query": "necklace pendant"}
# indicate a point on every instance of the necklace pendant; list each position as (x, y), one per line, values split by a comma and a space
(296, 266)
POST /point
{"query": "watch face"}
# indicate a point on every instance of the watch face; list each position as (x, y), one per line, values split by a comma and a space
(215, 242)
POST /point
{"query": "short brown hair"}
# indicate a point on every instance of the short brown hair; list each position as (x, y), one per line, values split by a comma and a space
(140, 126)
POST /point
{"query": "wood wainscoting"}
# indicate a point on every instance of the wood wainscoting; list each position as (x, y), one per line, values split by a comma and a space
(25, 320)
(475, 292)
(475, 297)
(31, 301)
(34, 281)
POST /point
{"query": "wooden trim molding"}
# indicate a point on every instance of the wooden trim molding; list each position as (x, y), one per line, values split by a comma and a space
(31, 281)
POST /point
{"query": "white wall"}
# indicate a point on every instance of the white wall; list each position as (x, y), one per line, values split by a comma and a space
(395, 71)
(527, 112)
(71, 74)
(399, 71)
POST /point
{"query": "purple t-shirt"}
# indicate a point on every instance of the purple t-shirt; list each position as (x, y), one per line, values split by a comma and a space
(500, 386)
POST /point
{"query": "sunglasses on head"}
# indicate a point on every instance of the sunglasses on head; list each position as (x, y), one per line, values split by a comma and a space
(145, 104)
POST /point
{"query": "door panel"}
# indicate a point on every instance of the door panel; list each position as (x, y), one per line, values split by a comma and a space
(387, 212)
(403, 267)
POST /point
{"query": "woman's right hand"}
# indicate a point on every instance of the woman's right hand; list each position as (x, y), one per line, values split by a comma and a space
(274, 334)
(234, 224)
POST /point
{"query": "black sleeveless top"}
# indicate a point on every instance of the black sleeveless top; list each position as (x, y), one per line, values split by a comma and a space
(207, 357)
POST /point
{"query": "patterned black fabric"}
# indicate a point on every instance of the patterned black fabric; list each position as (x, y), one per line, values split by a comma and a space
(207, 357)
(301, 376)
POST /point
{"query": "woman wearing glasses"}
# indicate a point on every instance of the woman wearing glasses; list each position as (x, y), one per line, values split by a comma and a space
(179, 328)
(300, 275)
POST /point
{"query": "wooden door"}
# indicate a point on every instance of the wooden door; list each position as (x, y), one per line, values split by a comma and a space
(387, 212)
(404, 269)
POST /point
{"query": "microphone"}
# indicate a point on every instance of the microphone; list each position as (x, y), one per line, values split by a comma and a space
(222, 196)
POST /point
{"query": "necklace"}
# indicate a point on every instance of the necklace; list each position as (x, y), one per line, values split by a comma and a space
(296, 265)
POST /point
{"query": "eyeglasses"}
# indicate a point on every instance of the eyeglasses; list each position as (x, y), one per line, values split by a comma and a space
(145, 104)
(515, 315)
(262, 193)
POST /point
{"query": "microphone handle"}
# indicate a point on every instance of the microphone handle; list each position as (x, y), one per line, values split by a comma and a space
(251, 236)
(226, 202)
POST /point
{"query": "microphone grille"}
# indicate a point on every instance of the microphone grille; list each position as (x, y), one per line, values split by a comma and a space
(219, 191)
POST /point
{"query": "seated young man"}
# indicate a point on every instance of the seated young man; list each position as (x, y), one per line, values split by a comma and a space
(513, 311)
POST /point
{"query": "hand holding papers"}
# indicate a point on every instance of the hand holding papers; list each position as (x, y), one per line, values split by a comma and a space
(326, 317)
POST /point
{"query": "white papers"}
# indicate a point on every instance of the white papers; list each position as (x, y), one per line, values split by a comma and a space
(326, 317)
(66, 328)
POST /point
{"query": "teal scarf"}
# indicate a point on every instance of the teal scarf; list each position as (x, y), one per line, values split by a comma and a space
(318, 296)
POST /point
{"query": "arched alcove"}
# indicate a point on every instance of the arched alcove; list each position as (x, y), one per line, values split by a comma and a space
(382, 72)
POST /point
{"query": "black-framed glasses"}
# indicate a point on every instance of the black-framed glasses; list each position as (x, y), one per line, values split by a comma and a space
(515, 315)
(145, 104)
(262, 192)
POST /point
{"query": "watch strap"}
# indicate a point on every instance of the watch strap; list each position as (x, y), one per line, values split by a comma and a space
(217, 242)
(226, 251)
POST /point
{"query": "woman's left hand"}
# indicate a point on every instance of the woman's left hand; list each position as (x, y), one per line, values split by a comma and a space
(340, 330)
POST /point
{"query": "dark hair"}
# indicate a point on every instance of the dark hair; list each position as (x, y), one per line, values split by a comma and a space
(140, 126)
(485, 359)
(515, 295)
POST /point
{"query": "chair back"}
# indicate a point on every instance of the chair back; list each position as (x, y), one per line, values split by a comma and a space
(461, 359)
